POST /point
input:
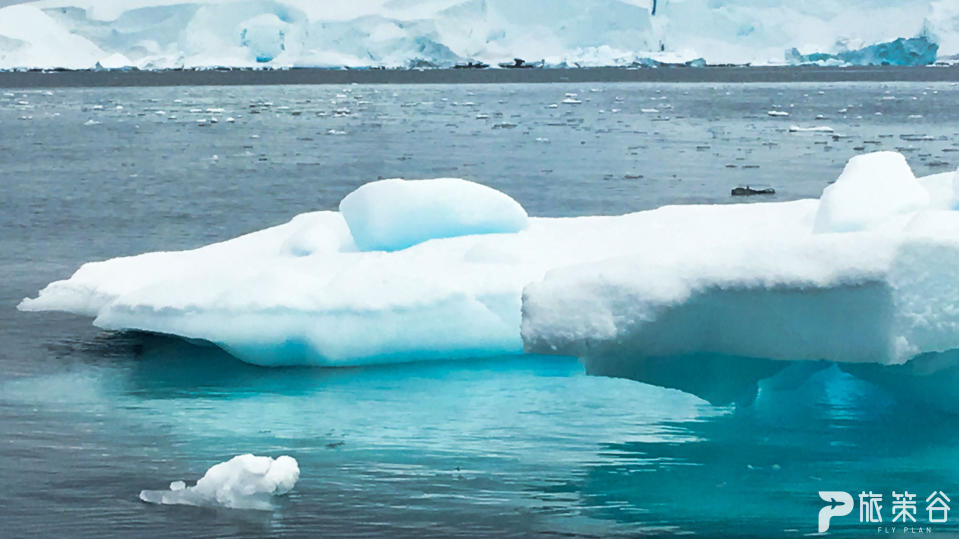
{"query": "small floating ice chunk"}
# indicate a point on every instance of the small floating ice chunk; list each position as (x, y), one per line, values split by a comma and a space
(873, 187)
(815, 129)
(91, 122)
(649, 111)
(243, 482)
(571, 101)
(777, 113)
(389, 215)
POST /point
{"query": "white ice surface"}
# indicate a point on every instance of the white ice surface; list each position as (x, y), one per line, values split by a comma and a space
(243, 482)
(873, 189)
(29, 37)
(389, 215)
(749, 279)
(204, 33)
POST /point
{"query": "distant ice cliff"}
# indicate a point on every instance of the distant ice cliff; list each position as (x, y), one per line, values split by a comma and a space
(158, 34)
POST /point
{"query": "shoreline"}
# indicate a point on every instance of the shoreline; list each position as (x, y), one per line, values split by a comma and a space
(312, 76)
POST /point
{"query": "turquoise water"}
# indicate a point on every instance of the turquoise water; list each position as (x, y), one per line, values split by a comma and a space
(506, 446)
(500, 446)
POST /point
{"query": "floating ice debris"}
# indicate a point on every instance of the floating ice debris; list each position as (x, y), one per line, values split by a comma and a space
(215, 110)
(243, 482)
(482, 116)
(777, 113)
(914, 116)
(91, 122)
(542, 139)
(230, 119)
(816, 129)
(552, 106)
(649, 110)
(571, 101)
(160, 113)
(335, 132)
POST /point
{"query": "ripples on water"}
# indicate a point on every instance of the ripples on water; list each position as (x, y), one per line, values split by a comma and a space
(500, 446)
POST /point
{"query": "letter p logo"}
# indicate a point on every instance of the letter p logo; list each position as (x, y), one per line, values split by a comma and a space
(840, 505)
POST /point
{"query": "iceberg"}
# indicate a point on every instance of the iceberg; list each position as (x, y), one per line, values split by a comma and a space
(243, 482)
(161, 34)
(409, 271)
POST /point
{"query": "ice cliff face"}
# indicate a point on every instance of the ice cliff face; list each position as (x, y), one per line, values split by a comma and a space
(404, 33)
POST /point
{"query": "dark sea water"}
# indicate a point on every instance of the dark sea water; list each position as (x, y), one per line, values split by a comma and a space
(492, 447)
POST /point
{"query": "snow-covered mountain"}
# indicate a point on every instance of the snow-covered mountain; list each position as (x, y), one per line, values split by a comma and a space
(397, 33)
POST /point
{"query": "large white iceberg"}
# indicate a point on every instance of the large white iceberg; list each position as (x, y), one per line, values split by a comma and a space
(279, 33)
(751, 280)
(243, 482)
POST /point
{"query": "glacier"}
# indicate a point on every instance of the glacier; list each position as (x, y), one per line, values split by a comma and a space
(243, 482)
(908, 52)
(163, 34)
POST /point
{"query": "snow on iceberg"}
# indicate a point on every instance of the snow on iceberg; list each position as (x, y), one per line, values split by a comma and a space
(872, 189)
(306, 33)
(389, 215)
(243, 482)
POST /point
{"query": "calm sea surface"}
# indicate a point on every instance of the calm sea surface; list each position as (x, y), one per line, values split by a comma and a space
(502, 446)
